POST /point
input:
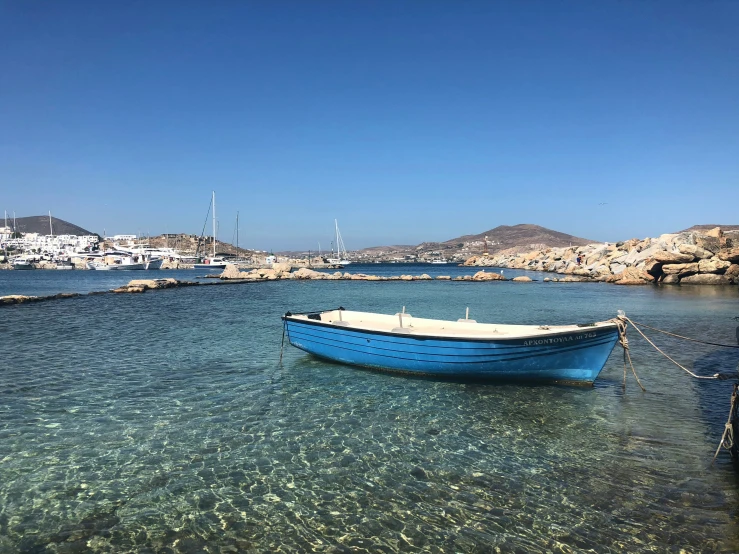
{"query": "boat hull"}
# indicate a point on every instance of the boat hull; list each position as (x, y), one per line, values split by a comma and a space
(22, 266)
(210, 267)
(155, 263)
(575, 357)
(116, 267)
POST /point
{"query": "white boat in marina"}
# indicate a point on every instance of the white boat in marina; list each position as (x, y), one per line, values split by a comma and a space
(23, 263)
(441, 261)
(341, 257)
(117, 262)
(154, 263)
(213, 263)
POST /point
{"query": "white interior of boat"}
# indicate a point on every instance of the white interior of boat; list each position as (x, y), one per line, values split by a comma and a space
(407, 324)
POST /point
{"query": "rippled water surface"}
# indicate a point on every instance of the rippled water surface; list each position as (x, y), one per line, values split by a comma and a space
(162, 422)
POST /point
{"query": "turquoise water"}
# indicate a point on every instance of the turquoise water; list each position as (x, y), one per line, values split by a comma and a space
(163, 422)
(47, 282)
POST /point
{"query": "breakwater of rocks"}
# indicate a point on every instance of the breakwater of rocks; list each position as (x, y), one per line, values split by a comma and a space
(232, 276)
(285, 271)
(689, 258)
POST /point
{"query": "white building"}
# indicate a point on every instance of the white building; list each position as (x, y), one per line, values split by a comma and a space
(48, 244)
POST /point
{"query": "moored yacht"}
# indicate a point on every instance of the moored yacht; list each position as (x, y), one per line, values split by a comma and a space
(211, 264)
(22, 263)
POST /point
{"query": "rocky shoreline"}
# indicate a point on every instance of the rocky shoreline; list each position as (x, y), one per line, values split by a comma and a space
(694, 258)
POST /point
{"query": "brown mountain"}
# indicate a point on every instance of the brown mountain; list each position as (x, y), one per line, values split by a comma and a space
(40, 224)
(709, 227)
(521, 235)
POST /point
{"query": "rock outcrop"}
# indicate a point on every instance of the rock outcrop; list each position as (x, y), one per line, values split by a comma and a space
(142, 285)
(708, 257)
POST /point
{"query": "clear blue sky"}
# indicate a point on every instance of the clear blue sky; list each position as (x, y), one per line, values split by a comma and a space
(407, 121)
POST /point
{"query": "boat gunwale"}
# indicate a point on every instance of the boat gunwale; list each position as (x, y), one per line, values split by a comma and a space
(608, 325)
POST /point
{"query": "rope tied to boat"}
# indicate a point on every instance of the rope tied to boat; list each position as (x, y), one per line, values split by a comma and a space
(282, 344)
(624, 318)
(686, 338)
(727, 438)
(623, 340)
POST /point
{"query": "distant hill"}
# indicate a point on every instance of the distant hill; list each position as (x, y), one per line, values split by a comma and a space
(521, 237)
(40, 224)
(523, 234)
(709, 227)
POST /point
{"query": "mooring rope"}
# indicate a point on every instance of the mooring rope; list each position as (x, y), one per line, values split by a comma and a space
(282, 344)
(686, 338)
(727, 439)
(623, 318)
(624, 342)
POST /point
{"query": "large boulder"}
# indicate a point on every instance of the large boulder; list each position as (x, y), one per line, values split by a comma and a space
(15, 299)
(522, 279)
(695, 251)
(672, 257)
(680, 269)
(617, 268)
(670, 280)
(231, 271)
(653, 267)
(637, 256)
(712, 244)
(485, 276)
(730, 239)
(715, 233)
(733, 273)
(154, 283)
(713, 265)
(705, 279)
(633, 276)
(282, 267)
(305, 273)
(730, 255)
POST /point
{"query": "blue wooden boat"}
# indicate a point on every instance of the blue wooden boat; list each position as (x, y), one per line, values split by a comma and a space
(462, 349)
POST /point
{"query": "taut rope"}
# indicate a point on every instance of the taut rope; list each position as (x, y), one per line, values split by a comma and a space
(623, 318)
(687, 338)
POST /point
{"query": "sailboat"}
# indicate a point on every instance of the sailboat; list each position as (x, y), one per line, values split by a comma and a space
(340, 258)
(213, 263)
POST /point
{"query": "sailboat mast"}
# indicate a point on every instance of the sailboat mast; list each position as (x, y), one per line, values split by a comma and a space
(214, 224)
(51, 229)
(237, 233)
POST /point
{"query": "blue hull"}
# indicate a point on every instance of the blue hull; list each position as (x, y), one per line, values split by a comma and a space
(572, 357)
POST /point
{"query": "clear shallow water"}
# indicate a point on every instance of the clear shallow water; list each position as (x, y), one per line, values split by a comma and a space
(42, 282)
(162, 422)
